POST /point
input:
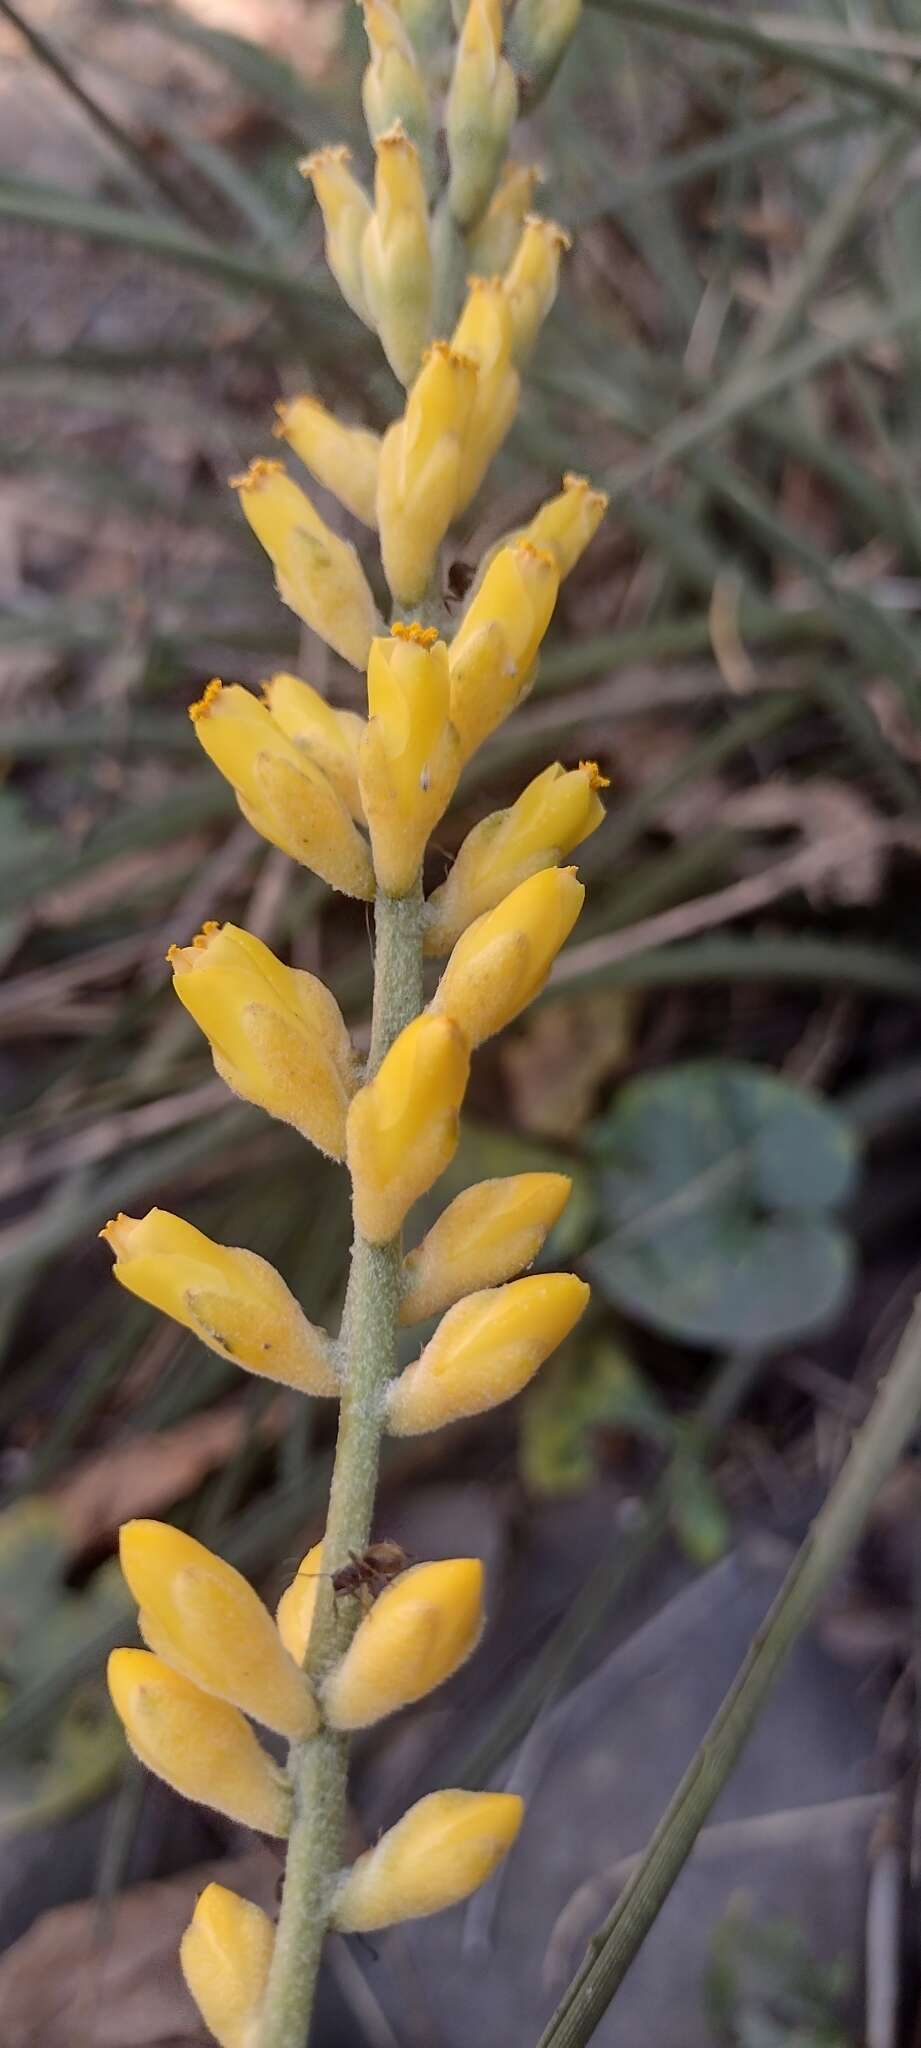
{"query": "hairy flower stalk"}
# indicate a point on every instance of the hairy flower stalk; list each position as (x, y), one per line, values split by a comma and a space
(356, 800)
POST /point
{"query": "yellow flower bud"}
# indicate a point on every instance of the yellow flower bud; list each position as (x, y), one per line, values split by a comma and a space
(530, 284)
(481, 107)
(443, 1849)
(225, 1953)
(486, 1235)
(331, 737)
(280, 789)
(294, 1613)
(420, 470)
(343, 459)
(316, 572)
(230, 1298)
(278, 1038)
(485, 333)
(553, 815)
(494, 650)
(495, 238)
(393, 88)
(502, 961)
(199, 1745)
(346, 211)
(396, 255)
(403, 1127)
(567, 523)
(485, 1350)
(410, 754)
(540, 32)
(427, 22)
(420, 1630)
(206, 1622)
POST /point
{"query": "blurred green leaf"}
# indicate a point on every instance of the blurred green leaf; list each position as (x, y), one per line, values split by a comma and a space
(698, 1517)
(764, 1989)
(584, 1389)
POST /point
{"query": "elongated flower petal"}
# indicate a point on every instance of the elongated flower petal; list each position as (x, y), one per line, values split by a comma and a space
(396, 255)
(494, 650)
(199, 1745)
(486, 1235)
(531, 281)
(502, 961)
(205, 1621)
(278, 1038)
(485, 1350)
(403, 1127)
(393, 88)
(231, 1298)
(420, 1630)
(294, 1613)
(420, 470)
(443, 1849)
(331, 737)
(493, 241)
(344, 459)
(485, 332)
(567, 523)
(316, 572)
(410, 753)
(225, 1954)
(346, 211)
(280, 789)
(481, 107)
(553, 815)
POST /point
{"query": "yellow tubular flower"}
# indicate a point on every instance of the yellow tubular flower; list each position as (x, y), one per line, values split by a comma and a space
(531, 281)
(540, 32)
(396, 255)
(481, 107)
(420, 1630)
(225, 1954)
(495, 238)
(486, 1235)
(403, 1127)
(343, 459)
(502, 961)
(494, 650)
(280, 789)
(553, 815)
(230, 1298)
(205, 1621)
(294, 1613)
(316, 572)
(410, 754)
(331, 737)
(393, 88)
(567, 523)
(420, 469)
(485, 333)
(443, 1849)
(485, 1350)
(197, 1744)
(278, 1038)
(346, 211)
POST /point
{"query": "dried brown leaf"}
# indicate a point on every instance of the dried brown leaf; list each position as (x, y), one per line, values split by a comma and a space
(140, 1475)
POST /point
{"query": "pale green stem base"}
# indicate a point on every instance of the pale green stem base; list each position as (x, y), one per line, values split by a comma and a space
(319, 1768)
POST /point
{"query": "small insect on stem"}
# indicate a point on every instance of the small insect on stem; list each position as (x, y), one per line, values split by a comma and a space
(369, 1571)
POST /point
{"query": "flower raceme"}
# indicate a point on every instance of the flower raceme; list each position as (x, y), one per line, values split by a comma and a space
(225, 1954)
(486, 1235)
(316, 572)
(403, 1126)
(485, 1350)
(552, 816)
(502, 961)
(410, 753)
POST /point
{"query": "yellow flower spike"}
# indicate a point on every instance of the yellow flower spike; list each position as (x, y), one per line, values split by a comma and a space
(396, 255)
(530, 284)
(280, 789)
(393, 88)
(225, 1955)
(294, 1613)
(330, 736)
(502, 961)
(204, 1619)
(485, 333)
(553, 815)
(316, 572)
(485, 1236)
(343, 459)
(278, 1038)
(403, 1127)
(481, 107)
(420, 1630)
(199, 1745)
(346, 211)
(420, 470)
(494, 240)
(443, 1849)
(485, 1349)
(494, 650)
(231, 1299)
(540, 32)
(410, 754)
(567, 523)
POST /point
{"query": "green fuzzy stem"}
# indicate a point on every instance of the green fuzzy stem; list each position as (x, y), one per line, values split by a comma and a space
(319, 1768)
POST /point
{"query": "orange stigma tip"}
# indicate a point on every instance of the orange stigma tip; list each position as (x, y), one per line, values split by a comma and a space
(208, 697)
(535, 553)
(410, 629)
(595, 778)
(394, 137)
(573, 482)
(331, 153)
(173, 953)
(442, 350)
(260, 468)
(560, 236)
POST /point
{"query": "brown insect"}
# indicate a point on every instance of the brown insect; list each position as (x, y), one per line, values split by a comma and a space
(369, 1571)
(460, 577)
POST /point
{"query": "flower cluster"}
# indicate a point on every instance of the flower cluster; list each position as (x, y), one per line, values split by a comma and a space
(356, 799)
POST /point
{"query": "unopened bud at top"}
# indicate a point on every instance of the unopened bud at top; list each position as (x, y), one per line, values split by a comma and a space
(343, 459)
(481, 107)
(396, 255)
(225, 1954)
(420, 470)
(410, 754)
(486, 1235)
(495, 648)
(530, 283)
(485, 1349)
(485, 333)
(329, 736)
(403, 1126)
(197, 1744)
(502, 961)
(317, 573)
(559, 809)
(567, 523)
(492, 243)
(420, 1630)
(393, 87)
(443, 1849)
(346, 211)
